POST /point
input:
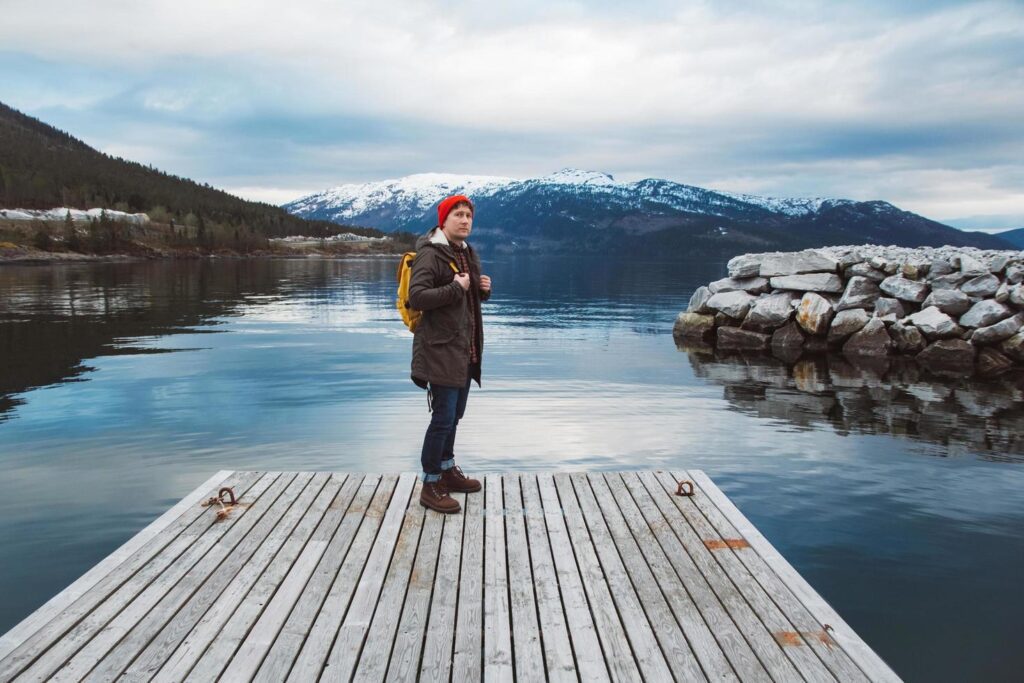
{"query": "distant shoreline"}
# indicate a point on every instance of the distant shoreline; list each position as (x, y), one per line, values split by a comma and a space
(44, 258)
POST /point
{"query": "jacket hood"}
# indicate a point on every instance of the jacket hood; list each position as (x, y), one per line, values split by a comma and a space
(435, 238)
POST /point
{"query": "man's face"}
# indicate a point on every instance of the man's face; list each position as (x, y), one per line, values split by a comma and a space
(458, 224)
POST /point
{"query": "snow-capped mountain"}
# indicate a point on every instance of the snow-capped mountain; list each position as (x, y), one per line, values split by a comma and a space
(573, 209)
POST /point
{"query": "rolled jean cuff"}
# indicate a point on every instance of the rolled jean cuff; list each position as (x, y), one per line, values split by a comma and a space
(448, 464)
(430, 478)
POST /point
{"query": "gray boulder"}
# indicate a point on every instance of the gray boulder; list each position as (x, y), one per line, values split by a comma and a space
(907, 338)
(809, 261)
(985, 313)
(951, 281)
(694, 326)
(983, 286)
(950, 301)
(733, 304)
(889, 310)
(699, 301)
(998, 263)
(870, 340)
(1004, 329)
(814, 314)
(770, 312)
(1003, 293)
(1012, 347)
(846, 323)
(815, 282)
(735, 339)
(904, 289)
(860, 292)
(972, 267)
(787, 342)
(938, 268)
(1015, 273)
(865, 270)
(745, 265)
(934, 324)
(948, 353)
(1016, 295)
(753, 285)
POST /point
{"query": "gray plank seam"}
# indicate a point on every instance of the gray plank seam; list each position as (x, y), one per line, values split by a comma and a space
(437, 654)
(383, 627)
(552, 616)
(280, 634)
(621, 657)
(666, 641)
(311, 661)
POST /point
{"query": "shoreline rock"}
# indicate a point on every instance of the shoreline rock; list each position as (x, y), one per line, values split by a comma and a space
(952, 308)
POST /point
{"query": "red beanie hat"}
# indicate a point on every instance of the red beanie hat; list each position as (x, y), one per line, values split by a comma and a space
(447, 204)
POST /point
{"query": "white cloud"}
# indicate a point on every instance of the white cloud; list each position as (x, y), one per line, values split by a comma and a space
(697, 93)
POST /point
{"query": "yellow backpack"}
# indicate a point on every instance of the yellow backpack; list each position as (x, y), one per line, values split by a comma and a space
(410, 316)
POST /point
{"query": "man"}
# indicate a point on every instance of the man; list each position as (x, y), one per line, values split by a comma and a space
(447, 286)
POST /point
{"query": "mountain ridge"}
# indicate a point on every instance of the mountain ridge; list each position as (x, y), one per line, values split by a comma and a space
(575, 209)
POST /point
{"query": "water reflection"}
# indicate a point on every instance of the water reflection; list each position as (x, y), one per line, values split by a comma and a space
(54, 318)
(874, 396)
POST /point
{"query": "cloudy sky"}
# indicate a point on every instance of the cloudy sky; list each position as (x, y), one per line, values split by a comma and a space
(919, 103)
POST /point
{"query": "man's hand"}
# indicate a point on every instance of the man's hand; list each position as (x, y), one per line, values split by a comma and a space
(485, 283)
(463, 280)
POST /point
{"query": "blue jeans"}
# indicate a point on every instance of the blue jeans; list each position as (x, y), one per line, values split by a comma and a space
(449, 405)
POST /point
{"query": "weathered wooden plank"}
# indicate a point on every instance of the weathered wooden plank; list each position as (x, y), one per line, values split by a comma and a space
(529, 656)
(376, 654)
(134, 598)
(234, 611)
(558, 648)
(807, 636)
(746, 578)
(151, 548)
(466, 662)
(708, 582)
(436, 663)
(869, 664)
(348, 644)
(142, 541)
(405, 656)
(207, 577)
(312, 657)
(273, 647)
(557, 493)
(497, 613)
(661, 653)
(222, 592)
(686, 640)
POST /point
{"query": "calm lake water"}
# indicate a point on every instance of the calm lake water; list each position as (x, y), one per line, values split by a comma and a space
(898, 496)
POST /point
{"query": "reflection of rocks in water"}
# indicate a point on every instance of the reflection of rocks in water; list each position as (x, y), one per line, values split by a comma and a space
(874, 396)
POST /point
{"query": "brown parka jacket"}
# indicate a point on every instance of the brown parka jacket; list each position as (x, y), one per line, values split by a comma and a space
(440, 345)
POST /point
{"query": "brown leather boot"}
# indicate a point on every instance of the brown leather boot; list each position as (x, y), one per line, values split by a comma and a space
(455, 480)
(434, 495)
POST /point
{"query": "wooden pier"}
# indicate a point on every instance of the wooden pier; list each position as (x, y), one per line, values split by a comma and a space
(340, 576)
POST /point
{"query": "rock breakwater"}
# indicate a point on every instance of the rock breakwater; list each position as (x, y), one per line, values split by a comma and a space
(955, 309)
